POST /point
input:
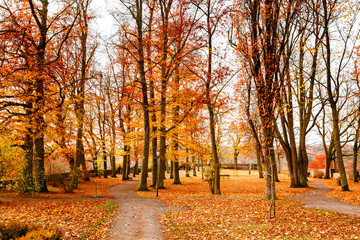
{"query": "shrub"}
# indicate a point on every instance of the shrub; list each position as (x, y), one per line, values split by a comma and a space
(15, 230)
(42, 234)
(318, 174)
(12, 230)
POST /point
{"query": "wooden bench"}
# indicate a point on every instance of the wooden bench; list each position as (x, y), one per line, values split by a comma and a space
(225, 175)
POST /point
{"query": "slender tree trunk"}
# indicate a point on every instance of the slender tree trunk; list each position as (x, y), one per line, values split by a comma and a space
(258, 160)
(355, 160)
(125, 163)
(171, 169)
(105, 164)
(145, 103)
(187, 164)
(332, 101)
(194, 166)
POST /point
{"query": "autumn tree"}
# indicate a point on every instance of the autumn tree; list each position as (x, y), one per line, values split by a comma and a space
(43, 34)
(334, 78)
(263, 31)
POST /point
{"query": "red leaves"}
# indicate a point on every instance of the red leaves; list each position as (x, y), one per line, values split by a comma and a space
(318, 162)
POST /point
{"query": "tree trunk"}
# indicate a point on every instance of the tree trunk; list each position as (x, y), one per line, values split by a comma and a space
(236, 154)
(105, 165)
(215, 156)
(187, 174)
(154, 156)
(332, 101)
(339, 156)
(194, 166)
(27, 179)
(258, 160)
(125, 163)
(171, 169)
(39, 165)
(355, 160)
(176, 173)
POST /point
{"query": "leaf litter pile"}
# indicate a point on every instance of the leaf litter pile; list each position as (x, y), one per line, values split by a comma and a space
(241, 213)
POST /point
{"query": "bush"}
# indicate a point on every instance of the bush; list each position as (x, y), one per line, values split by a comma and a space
(42, 234)
(12, 230)
(15, 230)
(318, 174)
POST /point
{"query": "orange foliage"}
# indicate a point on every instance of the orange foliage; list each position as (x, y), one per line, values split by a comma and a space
(318, 162)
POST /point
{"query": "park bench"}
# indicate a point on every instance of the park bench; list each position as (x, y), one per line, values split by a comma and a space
(225, 175)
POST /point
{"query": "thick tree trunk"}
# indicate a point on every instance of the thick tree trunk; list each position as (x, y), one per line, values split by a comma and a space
(236, 154)
(113, 167)
(176, 173)
(39, 152)
(27, 176)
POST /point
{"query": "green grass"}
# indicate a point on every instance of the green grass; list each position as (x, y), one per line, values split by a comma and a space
(109, 209)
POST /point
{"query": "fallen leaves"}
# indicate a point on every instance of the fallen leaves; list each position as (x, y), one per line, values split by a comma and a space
(87, 189)
(240, 213)
(352, 197)
(76, 219)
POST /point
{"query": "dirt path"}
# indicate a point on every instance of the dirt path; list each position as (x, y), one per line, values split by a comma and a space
(316, 199)
(137, 218)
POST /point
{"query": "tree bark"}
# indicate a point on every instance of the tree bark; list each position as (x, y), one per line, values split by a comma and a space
(145, 103)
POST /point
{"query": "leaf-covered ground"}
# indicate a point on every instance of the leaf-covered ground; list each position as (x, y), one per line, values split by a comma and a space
(352, 196)
(87, 189)
(240, 213)
(76, 219)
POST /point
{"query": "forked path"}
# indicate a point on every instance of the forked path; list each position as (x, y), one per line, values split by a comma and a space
(316, 198)
(137, 218)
